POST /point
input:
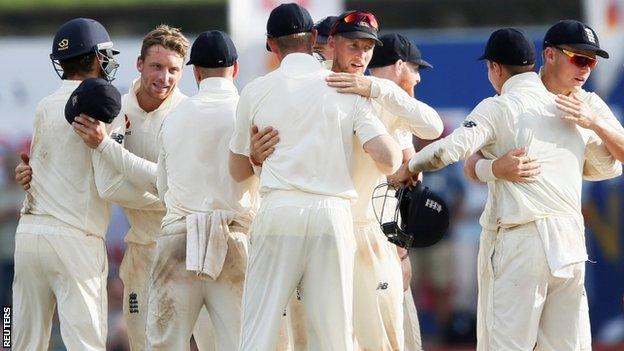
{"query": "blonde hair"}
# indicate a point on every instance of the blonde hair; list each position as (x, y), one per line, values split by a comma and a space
(168, 37)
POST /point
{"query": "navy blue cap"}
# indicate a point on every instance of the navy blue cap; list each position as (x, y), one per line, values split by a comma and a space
(96, 98)
(509, 46)
(575, 34)
(324, 27)
(288, 19)
(396, 47)
(213, 49)
(78, 37)
(362, 29)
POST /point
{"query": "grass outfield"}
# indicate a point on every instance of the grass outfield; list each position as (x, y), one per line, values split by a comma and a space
(66, 4)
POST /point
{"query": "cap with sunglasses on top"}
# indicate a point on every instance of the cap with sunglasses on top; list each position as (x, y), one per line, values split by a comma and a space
(287, 19)
(574, 34)
(357, 25)
(509, 46)
(396, 47)
(324, 27)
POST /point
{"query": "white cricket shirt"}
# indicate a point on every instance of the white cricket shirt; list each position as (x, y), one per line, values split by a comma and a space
(63, 192)
(316, 126)
(408, 116)
(193, 173)
(133, 150)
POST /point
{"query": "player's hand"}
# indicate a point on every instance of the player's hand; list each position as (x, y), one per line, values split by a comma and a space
(23, 172)
(577, 112)
(262, 142)
(393, 179)
(403, 175)
(90, 130)
(350, 83)
(516, 166)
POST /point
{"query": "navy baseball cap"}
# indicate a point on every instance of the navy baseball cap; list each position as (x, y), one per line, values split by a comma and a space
(396, 47)
(96, 98)
(575, 34)
(357, 25)
(509, 46)
(80, 36)
(288, 19)
(324, 27)
(213, 49)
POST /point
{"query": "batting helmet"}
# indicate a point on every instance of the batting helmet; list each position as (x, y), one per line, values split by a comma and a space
(82, 36)
(420, 217)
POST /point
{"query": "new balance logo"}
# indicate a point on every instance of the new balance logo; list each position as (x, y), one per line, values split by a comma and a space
(117, 137)
(382, 286)
(469, 124)
(433, 205)
(133, 303)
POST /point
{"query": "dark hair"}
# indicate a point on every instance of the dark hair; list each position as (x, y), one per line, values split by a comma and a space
(295, 42)
(80, 65)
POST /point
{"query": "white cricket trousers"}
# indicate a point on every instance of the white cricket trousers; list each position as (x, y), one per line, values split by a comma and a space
(176, 295)
(58, 265)
(307, 240)
(522, 306)
(486, 247)
(134, 271)
(411, 325)
(377, 291)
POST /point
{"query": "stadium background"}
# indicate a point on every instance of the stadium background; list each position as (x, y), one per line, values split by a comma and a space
(450, 34)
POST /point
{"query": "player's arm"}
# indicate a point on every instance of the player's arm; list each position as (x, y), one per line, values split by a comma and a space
(600, 163)
(139, 171)
(514, 166)
(239, 163)
(161, 173)
(477, 131)
(418, 117)
(376, 141)
(113, 186)
(601, 120)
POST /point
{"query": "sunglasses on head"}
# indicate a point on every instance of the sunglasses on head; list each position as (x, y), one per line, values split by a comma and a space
(579, 60)
(361, 16)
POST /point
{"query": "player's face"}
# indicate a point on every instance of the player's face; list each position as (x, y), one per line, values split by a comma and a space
(569, 75)
(410, 74)
(160, 71)
(352, 55)
(324, 49)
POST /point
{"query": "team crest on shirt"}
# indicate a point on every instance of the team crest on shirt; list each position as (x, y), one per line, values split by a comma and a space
(469, 124)
(128, 125)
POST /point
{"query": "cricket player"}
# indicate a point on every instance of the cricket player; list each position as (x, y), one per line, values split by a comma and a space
(564, 74)
(378, 296)
(202, 201)
(302, 234)
(378, 281)
(537, 262)
(60, 253)
(129, 150)
(321, 46)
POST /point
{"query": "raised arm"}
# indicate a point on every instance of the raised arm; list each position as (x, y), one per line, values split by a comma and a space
(416, 116)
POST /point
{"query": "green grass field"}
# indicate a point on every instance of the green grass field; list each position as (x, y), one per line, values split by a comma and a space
(65, 4)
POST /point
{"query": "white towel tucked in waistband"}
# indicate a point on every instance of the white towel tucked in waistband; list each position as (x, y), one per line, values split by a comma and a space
(564, 242)
(207, 242)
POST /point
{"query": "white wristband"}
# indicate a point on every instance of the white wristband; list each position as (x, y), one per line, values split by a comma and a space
(483, 169)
